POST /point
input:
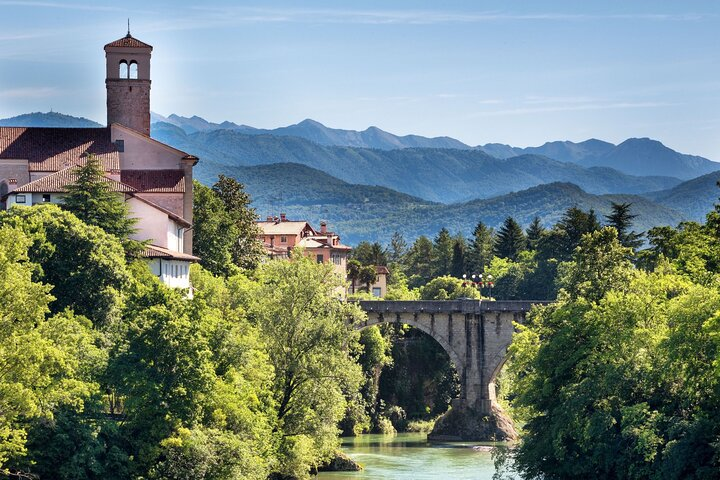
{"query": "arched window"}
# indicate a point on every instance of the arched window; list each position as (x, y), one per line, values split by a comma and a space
(123, 69)
(133, 70)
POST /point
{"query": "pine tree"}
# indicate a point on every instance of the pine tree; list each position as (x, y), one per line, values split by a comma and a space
(622, 220)
(398, 248)
(442, 253)
(480, 252)
(510, 240)
(534, 232)
(91, 198)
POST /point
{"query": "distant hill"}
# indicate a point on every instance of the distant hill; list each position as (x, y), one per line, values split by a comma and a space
(438, 175)
(49, 119)
(695, 198)
(635, 156)
(643, 156)
(360, 212)
(314, 131)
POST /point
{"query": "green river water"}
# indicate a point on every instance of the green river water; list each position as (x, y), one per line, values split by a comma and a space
(409, 456)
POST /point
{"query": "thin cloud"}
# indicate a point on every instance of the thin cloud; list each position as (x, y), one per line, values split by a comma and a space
(28, 92)
(571, 108)
(218, 15)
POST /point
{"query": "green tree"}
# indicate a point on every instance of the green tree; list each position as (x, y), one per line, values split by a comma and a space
(480, 251)
(91, 199)
(457, 264)
(448, 288)
(45, 363)
(418, 262)
(214, 231)
(367, 276)
(85, 265)
(621, 219)
(442, 253)
(369, 254)
(246, 249)
(397, 249)
(510, 240)
(306, 331)
(354, 268)
(534, 233)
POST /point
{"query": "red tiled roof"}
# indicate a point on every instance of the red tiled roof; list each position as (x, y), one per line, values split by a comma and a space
(52, 149)
(155, 181)
(56, 183)
(128, 41)
(154, 251)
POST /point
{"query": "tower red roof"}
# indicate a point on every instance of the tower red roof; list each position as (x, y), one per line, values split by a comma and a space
(128, 41)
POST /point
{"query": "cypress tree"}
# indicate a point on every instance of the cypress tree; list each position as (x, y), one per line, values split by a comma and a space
(457, 265)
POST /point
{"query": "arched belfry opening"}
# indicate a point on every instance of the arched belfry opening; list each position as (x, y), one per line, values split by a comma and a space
(123, 69)
(133, 70)
(128, 83)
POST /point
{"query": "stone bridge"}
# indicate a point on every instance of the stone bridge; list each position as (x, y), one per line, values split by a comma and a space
(476, 335)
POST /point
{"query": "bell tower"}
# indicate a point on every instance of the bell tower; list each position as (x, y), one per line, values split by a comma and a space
(127, 81)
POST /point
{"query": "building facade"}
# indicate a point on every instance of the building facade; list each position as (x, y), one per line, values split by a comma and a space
(280, 236)
(155, 179)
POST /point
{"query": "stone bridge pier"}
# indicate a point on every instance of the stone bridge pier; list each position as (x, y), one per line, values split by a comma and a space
(476, 335)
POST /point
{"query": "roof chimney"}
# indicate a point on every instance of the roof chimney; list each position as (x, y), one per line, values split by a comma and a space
(323, 227)
(269, 218)
(283, 217)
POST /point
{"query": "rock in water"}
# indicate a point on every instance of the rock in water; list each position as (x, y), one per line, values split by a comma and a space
(341, 463)
(466, 424)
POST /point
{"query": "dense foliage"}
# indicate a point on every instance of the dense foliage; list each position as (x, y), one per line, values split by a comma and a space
(619, 379)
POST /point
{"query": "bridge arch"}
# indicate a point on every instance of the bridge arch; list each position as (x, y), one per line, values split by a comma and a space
(428, 330)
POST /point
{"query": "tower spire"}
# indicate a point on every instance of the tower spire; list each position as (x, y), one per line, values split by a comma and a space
(128, 34)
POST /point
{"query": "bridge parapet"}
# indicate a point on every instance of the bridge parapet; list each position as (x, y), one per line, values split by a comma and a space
(449, 306)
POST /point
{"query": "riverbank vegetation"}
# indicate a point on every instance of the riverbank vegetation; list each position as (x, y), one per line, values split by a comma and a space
(105, 373)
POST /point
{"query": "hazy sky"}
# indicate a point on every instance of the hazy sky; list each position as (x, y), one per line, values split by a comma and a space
(482, 71)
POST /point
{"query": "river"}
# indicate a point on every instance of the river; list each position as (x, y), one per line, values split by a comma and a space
(409, 456)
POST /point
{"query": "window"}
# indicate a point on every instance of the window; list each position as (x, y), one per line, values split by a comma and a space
(120, 145)
(123, 73)
(19, 198)
(377, 292)
(336, 259)
(46, 197)
(133, 73)
(283, 239)
(319, 258)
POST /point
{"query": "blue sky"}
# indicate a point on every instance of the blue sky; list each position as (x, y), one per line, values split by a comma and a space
(483, 71)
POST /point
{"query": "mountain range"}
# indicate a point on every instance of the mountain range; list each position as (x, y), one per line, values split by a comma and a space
(367, 193)
(434, 174)
(635, 156)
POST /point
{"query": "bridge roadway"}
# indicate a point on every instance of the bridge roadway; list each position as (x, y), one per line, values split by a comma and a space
(475, 333)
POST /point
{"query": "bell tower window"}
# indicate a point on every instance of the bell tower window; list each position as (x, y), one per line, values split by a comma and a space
(133, 72)
(123, 73)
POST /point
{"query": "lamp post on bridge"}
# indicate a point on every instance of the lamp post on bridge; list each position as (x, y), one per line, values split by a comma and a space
(477, 281)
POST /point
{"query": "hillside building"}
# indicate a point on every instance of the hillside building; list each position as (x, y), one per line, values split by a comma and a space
(155, 179)
(280, 236)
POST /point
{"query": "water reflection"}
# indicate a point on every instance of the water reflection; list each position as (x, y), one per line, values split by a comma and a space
(409, 456)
